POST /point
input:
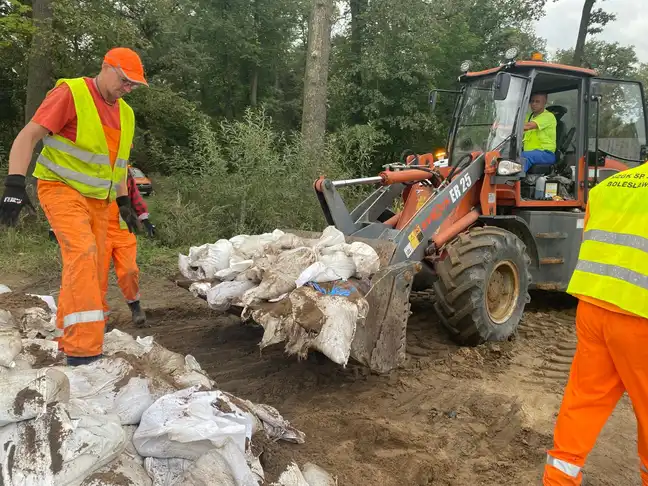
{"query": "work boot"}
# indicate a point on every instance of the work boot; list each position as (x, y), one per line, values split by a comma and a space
(139, 317)
(78, 361)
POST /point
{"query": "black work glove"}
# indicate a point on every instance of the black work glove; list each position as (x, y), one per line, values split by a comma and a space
(150, 227)
(127, 214)
(13, 200)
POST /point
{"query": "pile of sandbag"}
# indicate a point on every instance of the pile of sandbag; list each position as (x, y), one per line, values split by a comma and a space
(140, 416)
(306, 292)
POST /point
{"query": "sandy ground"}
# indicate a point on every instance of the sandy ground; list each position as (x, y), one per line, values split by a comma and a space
(451, 416)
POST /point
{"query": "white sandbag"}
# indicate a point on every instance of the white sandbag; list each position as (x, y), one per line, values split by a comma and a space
(274, 425)
(281, 276)
(254, 246)
(292, 476)
(6, 319)
(187, 270)
(216, 258)
(26, 393)
(332, 266)
(365, 258)
(130, 451)
(4, 289)
(117, 341)
(221, 296)
(166, 472)
(55, 450)
(10, 345)
(188, 423)
(182, 371)
(331, 236)
(200, 289)
(112, 384)
(41, 352)
(326, 323)
(316, 476)
(224, 466)
(273, 323)
(123, 471)
(37, 322)
(238, 265)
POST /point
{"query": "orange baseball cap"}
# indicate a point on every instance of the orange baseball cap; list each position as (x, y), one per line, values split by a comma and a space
(128, 61)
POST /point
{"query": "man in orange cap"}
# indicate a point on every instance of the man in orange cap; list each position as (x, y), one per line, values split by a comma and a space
(87, 131)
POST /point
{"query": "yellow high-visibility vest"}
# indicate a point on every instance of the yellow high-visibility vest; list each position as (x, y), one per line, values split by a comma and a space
(85, 164)
(613, 259)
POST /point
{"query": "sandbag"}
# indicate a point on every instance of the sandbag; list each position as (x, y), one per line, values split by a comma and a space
(4, 289)
(166, 472)
(224, 466)
(316, 476)
(113, 385)
(6, 319)
(250, 247)
(331, 236)
(330, 267)
(187, 270)
(280, 277)
(365, 258)
(37, 322)
(26, 393)
(200, 289)
(117, 341)
(212, 257)
(123, 471)
(292, 476)
(220, 297)
(182, 371)
(54, 449)
(188, 423)
(274, 425)
(10, 345)
(326, 323)
(41, 352)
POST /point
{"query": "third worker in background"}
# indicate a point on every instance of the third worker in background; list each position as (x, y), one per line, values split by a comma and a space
(539, 146)
(611, 283)
(121, 249)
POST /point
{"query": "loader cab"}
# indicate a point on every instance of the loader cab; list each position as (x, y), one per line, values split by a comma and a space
(601, 129)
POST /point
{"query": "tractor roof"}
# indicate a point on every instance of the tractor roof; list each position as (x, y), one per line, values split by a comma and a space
(528, 65)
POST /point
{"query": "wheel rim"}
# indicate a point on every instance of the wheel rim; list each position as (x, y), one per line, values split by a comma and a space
(502, 291)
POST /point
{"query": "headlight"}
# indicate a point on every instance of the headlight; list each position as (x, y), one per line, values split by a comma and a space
(506, 167)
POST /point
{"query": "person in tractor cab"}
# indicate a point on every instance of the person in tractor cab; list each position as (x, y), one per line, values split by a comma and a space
(539, 147)
(121, 249)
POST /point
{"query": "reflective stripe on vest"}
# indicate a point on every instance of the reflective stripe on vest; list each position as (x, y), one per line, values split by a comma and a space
(613, 259)
(84, 164)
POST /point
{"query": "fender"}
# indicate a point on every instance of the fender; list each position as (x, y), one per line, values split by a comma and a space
(519, 228)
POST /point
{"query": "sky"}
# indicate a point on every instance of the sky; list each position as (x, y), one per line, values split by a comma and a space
(560, 25)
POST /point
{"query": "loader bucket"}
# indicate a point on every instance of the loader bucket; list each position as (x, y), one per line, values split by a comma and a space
(380, 342)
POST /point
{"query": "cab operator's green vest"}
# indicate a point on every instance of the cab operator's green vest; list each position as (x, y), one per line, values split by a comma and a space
(85, 164)
(613, 260)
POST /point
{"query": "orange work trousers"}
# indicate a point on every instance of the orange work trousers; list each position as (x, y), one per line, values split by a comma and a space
(80, 225)
(121, 249)
(611, 358)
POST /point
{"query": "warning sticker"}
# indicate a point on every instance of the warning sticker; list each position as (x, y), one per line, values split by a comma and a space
(415, 239)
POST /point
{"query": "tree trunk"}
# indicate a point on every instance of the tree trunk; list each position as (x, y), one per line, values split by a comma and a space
(39, 74)
(358, 10)
(254, 86)
(316, 76)
(582, 32)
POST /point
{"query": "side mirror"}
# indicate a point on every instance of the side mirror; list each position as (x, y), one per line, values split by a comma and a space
(501, 86)
(434, 95)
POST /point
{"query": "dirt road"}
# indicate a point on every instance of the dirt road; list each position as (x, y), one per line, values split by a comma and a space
(452, 416)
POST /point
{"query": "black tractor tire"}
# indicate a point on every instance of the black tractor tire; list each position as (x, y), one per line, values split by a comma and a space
(483, 285)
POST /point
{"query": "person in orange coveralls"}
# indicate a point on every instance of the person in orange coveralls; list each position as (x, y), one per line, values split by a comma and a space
(121, 249)
(611, 283)
(87, 131)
